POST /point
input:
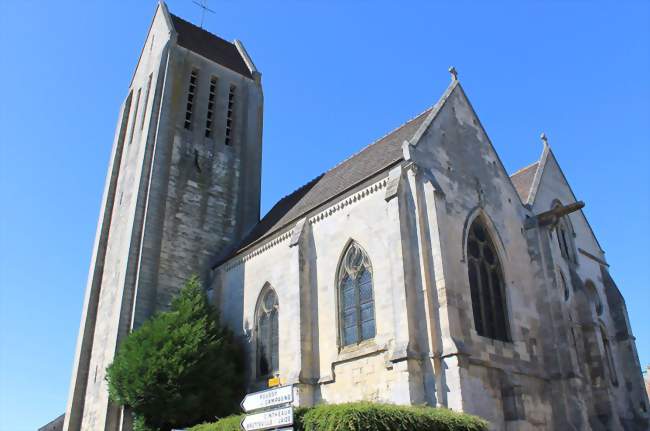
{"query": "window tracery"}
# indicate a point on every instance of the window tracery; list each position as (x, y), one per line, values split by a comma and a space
(486, 284)
(356, 299)
(267, 334)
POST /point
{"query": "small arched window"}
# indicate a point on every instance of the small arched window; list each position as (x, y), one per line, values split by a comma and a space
(267, 333)
(564, 233)
(486, 284)
(356, 299)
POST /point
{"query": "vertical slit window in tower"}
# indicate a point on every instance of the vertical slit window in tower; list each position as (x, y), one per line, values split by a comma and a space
(135, 116)
(191, 92)
(211, 100)
(146, 101)
(229, 116)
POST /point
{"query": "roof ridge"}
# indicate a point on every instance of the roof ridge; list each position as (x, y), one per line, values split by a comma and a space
(308, 183)
(199, 28)
(317, 177)
(536, 162)
(379, 139)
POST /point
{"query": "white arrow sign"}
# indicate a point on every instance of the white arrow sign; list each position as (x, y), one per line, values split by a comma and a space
(269, 398)
(271, 419)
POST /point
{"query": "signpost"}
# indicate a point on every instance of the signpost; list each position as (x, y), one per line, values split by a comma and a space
(277, 410)
(266, 420)
(268, 398)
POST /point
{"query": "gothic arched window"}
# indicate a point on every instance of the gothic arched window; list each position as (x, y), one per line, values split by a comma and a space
(564, 233)
(486, 284)
(356, 299)
(267, 333)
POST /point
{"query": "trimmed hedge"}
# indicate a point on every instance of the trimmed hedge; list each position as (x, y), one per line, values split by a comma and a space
(365, 416)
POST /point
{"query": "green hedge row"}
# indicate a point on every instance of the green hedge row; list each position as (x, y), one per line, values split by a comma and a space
(365, 416)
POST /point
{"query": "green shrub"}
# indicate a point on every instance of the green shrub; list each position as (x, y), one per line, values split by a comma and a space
(365, 416)
(180, 367)
(230, 423)
(386, 417)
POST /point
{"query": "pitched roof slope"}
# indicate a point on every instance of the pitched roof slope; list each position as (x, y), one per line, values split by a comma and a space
(209, 46)
(369, 161)
(523, 181)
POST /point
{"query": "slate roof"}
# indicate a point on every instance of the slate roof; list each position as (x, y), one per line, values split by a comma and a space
(523, 181)
(369, 161)
(55, 425)
(209, 46)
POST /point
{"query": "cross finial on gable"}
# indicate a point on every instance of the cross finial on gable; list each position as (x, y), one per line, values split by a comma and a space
(454, 73)
(544, 138)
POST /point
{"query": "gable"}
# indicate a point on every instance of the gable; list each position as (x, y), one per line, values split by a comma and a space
(552, 186)
(160, 29)
(456, 149)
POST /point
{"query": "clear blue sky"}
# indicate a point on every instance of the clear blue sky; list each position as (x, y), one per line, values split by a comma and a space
(337, 75)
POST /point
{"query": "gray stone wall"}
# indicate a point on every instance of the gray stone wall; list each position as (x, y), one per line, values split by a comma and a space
(553, 372)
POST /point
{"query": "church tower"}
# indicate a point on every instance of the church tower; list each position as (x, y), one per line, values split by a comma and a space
(183, 185)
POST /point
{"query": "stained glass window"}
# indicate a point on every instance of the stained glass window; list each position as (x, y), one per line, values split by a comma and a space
(267, 334)
(486, 284)
(356, 299)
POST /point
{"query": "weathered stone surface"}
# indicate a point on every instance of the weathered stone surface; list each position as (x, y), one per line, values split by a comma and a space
(553, 373)
(174, 199)
(177, 201)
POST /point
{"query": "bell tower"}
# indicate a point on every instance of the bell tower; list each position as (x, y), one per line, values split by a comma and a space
(183, 185)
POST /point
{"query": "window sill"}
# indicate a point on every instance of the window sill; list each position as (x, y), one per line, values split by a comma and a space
(365, 348)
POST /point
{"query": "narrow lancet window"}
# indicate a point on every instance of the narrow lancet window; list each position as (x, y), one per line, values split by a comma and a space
(486, 284)
(267, 334)
(564, 234)
(135, 115)
(356, 298)
(191, 94)
(210, 114)
(146, 101)
(230, 115)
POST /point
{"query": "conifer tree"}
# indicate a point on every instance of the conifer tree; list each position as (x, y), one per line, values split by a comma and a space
(180, 367)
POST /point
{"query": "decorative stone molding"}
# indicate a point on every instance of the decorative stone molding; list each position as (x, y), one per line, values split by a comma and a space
(297, 230)
(355, 197)
(241, 259)
(392, 186)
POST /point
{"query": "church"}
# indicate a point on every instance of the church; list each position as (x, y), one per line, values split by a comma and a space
(417, 271)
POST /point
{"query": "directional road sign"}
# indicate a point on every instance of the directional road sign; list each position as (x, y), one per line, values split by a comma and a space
(268, 398)
(270, 419)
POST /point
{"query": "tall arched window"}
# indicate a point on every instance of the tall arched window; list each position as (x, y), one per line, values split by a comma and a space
(356, 300)
(486, 284)
(564, 233)
(267, 333)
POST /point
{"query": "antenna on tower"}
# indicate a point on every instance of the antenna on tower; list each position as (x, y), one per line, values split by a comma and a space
(203, 4)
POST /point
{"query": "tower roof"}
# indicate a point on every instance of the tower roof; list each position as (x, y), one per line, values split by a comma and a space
(209, 46)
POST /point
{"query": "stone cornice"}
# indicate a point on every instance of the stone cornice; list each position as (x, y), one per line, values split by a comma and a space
(316, 218)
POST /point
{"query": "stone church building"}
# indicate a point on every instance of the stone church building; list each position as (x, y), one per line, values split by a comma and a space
(417, 271)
